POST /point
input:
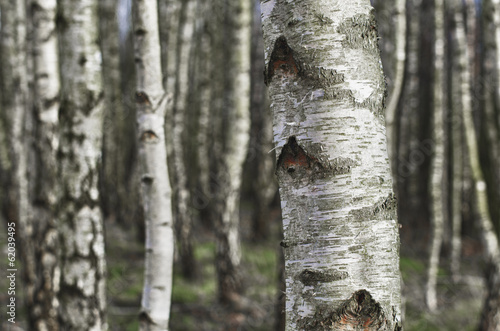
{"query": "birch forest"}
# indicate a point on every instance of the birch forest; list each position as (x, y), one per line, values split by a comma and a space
(237, 165)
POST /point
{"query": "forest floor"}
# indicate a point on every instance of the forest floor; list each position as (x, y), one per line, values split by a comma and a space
(194, 306)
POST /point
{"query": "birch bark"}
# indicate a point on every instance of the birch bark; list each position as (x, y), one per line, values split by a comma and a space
(151, 105)
(82, 285)
(436, 185)
(43, 200)
(230, 124)
(179, 39)
(339, 213)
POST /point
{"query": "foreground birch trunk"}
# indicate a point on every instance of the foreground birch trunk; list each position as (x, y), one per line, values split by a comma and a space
(151, 105)
(82, 285)
(339, 213)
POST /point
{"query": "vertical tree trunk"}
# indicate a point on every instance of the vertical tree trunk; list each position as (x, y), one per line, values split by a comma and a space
(436, 185)
(259, 165)
(397, 89)
(151, 106)
(339, 213)
(43, 201)
(82, 286)
(230, 133)
(180, 16)
(490, 319)
(116, 167)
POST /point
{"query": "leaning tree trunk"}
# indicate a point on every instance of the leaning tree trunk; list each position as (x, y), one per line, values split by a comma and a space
(339, 213)
(230, 120)
(82, 294)
(436, 184)
(151, 102)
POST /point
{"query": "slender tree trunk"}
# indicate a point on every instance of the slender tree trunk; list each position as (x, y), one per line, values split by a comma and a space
(339, 213)
(490, 319)
(180, 33)
(397, 89)
(436, 185)
(117, 131)
(230, 122)
(82, 286)
(151, 106)
(457, 146)
(259, 166)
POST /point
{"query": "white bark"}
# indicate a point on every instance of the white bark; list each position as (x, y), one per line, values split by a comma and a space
(82, 285)
(46, 87)
(339, 214)
(230, 124)
(395, 95)
(181, 18)
(437, 190)
(151, 105)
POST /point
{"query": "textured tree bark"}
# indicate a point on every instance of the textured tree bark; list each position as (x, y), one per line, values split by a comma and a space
(82, 285)
(180, 16)
(436, 185)
(151, 106)
(339, 213)
(230, 124)
(44, 305)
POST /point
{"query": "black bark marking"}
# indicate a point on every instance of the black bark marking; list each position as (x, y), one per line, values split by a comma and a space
(142, 98)
(312, 277)
(359, 312)
(149, 136)
(293, 158)
(383, 209)
(282, 61)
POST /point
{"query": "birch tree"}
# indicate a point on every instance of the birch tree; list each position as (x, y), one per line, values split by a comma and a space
(436, 185)
(43, 305)
(339, 213)
(230, 124)
(151, 106)
(82, 285)
(178, 20)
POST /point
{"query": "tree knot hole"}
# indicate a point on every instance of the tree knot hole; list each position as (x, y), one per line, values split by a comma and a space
(282, 61)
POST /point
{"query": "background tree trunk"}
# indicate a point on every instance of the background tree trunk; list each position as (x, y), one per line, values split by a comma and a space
(230, 124)
(82, 286)
(151, 106)
(180, 16)
(436, 185)
(338, 209)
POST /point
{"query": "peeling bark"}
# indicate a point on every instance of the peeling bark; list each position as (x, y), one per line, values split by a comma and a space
(339, 214)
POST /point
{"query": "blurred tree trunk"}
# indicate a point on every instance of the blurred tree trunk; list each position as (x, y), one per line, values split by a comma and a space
(43, 304)
(151, 102)
(178, 37)
(396, 82)
(230, 123)
(118, 195)
(489, 125)
(457, 143)
(339, 213)
(480, 166)
(436, 185)
(259, 166)
(82, 294)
